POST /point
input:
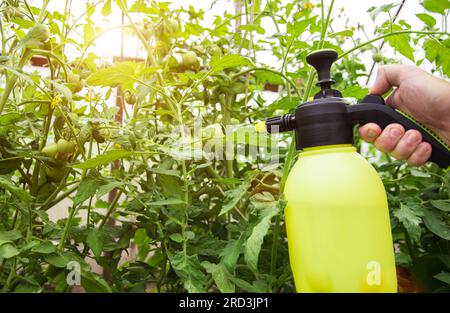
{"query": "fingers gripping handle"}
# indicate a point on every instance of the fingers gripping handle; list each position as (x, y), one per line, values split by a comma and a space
(375, 112)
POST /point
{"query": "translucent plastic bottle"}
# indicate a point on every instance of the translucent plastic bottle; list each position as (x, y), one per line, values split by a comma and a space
(337, 221)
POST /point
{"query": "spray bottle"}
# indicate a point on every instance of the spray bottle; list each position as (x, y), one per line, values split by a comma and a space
(337, 217)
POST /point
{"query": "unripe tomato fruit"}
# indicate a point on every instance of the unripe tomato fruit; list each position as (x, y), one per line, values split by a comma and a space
(50, 150)
(377, 57)
(172, 25)
(189, 59)
(74, 82)
(65, 147)
(130, 98)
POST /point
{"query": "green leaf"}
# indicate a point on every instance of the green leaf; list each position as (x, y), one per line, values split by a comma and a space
(220, 276)
(93, 283)
(435, 222)
(166, 202)
(95, 241)
(18, 192)
(255, 241)
(104, 189)
(176, 237)
(245, 286)
(10, 235)
(8, 250)
(355, 91)
(227, 61)
(106, 10)
(419, 173)
(401, 43)
(410, 216)
(427, 19)
(56, 260)
(233, 196)
(443, 205)
(45, 247)
(87, 188)
(230, 254)
(437, 52)
(189, 270)
(164, 171)
(106, 158)
(123, 74)
(140, 237)
(436, 6)
(444, 277)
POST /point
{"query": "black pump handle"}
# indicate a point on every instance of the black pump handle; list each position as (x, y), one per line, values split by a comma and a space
(372, 110)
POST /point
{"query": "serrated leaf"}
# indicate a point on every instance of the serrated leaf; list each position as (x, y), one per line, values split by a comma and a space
(255, 241)
(95, 241)
(220, 276)
(14, 190)
(401, 43)
(106, 158)
(233, 196)
(189, 270)
(227, 61)
(123, 74)
(230, 254)
(104, 189)
(410, 216)
(86, 189)
(435, 222)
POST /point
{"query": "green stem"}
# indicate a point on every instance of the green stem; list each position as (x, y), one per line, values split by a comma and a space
(401, 32)
(112, 205)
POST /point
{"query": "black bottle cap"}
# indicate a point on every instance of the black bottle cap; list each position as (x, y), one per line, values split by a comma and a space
(323, 122)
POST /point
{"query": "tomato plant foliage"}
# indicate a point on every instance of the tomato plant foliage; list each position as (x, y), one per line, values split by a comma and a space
(138, 206)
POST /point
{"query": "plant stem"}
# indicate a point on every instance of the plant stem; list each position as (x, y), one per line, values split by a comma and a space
(401, 32)
(111, 207)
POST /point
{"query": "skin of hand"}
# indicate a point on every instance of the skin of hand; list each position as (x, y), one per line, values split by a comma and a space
(419, 94)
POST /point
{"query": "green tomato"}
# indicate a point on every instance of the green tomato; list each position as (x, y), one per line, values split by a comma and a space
(130, 98)
(377, 57)
(55, 173)
(234, 121)
(214, 49)
(65, 147)
(74, 82)
(50, 150)
(189, 59)
(39, 33)
(200, 49)
(147, 33)
(172, 26)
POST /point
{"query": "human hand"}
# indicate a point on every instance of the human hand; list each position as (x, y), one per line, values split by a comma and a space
(418, 94)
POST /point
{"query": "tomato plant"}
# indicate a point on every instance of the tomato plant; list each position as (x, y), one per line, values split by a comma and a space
(139, 205)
